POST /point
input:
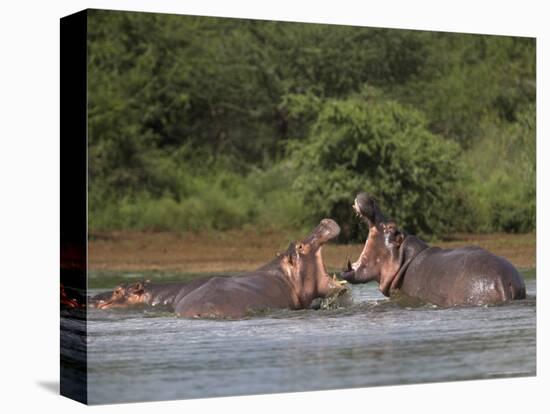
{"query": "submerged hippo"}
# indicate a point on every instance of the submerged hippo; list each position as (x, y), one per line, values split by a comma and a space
(404, 264)
(146, 293)
(292, 280)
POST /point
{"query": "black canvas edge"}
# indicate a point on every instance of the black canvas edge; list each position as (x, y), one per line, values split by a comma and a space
(73, 203)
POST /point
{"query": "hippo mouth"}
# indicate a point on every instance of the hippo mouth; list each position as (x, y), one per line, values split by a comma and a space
(104, 304)
(327, 230)
(357, 208)
(105, 300)
(100, 300)
(365, 207)
(348, 274)
(361, 205)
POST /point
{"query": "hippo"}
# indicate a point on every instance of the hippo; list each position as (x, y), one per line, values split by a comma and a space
(403, 264)
(292, 280)
(145, 293)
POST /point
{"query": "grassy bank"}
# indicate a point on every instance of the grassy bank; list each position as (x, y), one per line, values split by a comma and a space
(242, 250)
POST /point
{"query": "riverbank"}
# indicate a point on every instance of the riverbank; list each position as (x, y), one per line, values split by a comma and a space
(244, 250)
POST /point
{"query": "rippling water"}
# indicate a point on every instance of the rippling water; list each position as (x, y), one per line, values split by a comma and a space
(146, 355)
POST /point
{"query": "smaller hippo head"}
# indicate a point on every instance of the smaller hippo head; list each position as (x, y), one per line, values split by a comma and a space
(303, 263)
(123, 296)
(383, 256)
(301, 254)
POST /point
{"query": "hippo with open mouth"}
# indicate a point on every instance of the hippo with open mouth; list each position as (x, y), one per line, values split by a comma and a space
(292, 280)
(404, 264)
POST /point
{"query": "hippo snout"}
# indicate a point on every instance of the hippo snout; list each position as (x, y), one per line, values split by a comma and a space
(362, 204)
(331, 227)
(366, 207)
(326, 230)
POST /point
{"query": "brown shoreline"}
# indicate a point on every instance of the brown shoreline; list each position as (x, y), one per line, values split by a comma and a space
(245, 250)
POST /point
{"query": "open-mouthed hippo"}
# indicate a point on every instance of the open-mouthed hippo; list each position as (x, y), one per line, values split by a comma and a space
(404, 264)
(292, 280)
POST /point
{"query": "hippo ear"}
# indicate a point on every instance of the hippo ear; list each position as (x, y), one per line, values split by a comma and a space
(392, 234)
(138, 288)
(286, 258)
(303, 248)
(399, 239)
(118, 291)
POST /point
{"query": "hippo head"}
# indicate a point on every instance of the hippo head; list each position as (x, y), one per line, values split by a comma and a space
(303, 264)
(122, 296)
(382, 257)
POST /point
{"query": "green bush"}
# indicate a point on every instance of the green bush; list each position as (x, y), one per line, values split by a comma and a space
(368, 144)
(198, 123)
(499, 183)
(201, 200)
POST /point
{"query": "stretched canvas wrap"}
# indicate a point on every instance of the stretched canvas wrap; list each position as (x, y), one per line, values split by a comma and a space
(255, 207)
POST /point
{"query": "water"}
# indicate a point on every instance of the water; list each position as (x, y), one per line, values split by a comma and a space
(146, 355)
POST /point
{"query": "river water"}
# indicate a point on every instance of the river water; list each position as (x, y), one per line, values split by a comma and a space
(148, 354)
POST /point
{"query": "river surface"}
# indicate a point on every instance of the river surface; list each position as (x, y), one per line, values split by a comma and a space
(148, 354)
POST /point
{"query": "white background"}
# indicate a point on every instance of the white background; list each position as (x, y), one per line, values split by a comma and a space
(29, 203)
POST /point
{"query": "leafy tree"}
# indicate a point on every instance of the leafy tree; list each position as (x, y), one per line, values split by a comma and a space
(365, 143)
(178, 105)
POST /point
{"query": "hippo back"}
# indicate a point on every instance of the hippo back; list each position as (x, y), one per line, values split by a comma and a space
(235, 297)
(464, 276)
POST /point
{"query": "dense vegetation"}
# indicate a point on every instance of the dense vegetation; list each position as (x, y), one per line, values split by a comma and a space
(203, 123)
